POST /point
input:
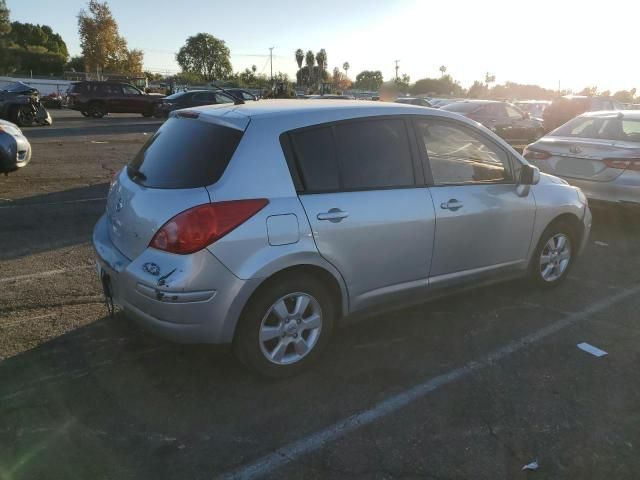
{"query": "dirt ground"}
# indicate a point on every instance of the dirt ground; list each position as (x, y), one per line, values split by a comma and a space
(496, 376)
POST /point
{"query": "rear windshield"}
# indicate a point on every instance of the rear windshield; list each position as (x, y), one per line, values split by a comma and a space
(461, 107)
(184, 153)
(602, 128)
(176, 95)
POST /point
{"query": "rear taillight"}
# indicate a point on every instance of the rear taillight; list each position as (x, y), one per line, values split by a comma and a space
(623, 163)
(194, 229)
(535, 154)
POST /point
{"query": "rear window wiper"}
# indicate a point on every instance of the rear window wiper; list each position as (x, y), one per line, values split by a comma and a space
(135, 173)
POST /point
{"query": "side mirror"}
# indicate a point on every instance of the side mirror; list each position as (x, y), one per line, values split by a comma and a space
(529, 175)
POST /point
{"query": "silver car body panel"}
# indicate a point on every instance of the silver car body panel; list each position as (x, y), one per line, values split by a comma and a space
(387, 250)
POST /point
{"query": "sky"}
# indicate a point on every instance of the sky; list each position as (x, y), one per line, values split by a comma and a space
(569, 43)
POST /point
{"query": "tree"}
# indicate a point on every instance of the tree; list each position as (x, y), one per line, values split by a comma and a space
(589, 91)
(307, 76)
(340, 80)
(321, 58)
(206, 55)
(403, 82)
(5, 25)
(32, 48)
(299, 58)
(625, 96)
(76, 64)
(102, 45)
(369, 80)
(254, 69)
(346, 67)
(443, 70)
(489, 78)
(478, 90)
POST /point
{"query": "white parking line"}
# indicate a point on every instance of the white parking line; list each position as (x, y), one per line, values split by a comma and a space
(48, 273)
(291, 452)
(47, 204)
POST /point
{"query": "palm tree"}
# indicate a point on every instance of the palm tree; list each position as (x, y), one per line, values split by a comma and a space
(309, 60)
(254, 69)
(346, 67)
(321, 58)
(443, 70)
(299, 58)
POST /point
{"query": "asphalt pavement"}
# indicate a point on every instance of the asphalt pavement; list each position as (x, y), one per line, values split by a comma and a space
(471, 386)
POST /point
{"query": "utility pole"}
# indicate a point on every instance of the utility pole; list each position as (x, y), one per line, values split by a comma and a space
(397, 67)
(271, 64)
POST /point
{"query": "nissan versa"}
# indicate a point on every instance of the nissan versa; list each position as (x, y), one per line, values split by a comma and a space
(265, 224)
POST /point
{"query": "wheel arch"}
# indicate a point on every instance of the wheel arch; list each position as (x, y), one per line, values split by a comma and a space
(332, 279)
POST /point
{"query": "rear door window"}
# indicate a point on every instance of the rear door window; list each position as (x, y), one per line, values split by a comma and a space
(185, 153)
(374, 154)
(314, 150)
(354, 155)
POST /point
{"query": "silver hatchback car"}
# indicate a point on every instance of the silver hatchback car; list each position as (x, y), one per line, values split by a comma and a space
(596, 151)
(265, 224)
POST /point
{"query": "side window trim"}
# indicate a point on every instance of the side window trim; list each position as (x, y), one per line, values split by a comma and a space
(430, 181)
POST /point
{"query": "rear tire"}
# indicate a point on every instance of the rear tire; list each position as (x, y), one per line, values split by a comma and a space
(285, 326)
(97, 110)
(554, 255)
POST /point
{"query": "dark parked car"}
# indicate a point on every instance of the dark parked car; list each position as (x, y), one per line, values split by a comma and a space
(505, 119)
(96, 99)
(565, 108)
(15, 150)
(242, 94)
(422, 102)
(191, 98)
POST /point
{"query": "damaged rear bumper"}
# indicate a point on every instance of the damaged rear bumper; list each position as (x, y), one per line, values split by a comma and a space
(182, 298)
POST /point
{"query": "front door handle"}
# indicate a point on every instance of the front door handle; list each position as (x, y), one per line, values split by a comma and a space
(452, 205)
(334, 215)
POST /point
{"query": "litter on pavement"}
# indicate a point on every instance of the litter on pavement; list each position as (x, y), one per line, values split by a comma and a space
(601, 244)
(531, 466)
(591, 349)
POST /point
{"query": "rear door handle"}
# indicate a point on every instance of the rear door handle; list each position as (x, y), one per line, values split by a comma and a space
(452, 205)
(334, 215)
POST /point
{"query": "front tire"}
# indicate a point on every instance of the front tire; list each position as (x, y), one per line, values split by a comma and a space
(285, 326)
(553, 257)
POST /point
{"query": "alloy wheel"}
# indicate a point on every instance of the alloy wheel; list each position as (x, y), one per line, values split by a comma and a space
(555, 257)
(291, 328)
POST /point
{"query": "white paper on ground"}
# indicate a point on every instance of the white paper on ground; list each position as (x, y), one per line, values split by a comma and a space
(601, 244)
(531, 466)
(591, 349)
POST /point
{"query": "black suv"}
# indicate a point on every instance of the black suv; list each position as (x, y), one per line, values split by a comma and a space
(96, 99)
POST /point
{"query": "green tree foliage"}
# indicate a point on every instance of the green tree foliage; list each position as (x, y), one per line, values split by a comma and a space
(625, 96)
(103, 48)
(444, 85)
(403, 82)
(75, 64)
(33, 49)
(512, 90)
(5, 25)
(368, 80)
(205, 55)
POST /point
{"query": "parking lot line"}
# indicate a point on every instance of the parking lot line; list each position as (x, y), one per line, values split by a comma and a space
(291, 452)
(47, 204)
(48, 273)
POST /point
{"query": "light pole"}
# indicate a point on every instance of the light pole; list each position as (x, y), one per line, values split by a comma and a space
(271, 65)
(397, 67)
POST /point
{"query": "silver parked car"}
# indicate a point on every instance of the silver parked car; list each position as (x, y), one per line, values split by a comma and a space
(264, 224)
(598, 152)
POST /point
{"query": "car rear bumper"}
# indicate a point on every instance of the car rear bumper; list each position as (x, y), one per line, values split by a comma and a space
(182, 298)
(624, 189)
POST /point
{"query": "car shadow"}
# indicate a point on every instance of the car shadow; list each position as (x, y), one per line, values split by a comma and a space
(49, 221)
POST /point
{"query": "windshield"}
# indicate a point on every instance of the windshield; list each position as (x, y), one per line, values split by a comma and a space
(176, 96)
(461, 107)
(17, 87)
(602, 128)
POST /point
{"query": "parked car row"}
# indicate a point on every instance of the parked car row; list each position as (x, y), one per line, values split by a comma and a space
(265, 228)
(97, 99)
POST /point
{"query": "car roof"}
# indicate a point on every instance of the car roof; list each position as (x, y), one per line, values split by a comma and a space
(292, 107)
(479, 101)
(622, 114)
